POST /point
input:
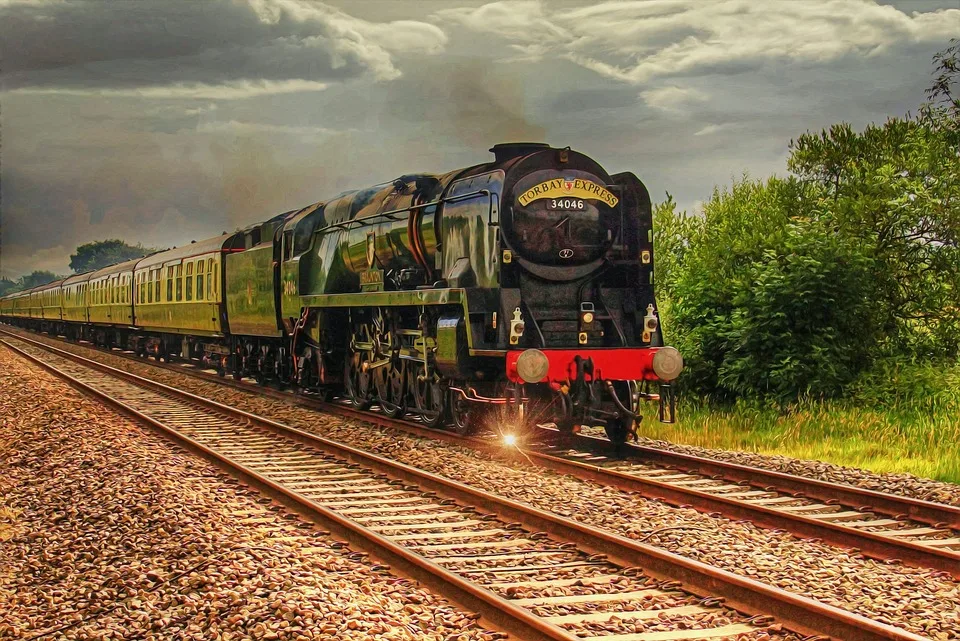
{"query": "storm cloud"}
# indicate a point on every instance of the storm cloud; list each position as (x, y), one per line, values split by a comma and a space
(186, 48)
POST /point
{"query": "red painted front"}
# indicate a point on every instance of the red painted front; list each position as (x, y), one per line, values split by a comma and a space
(608, 364)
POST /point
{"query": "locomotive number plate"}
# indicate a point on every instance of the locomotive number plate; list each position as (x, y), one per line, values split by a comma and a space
(566, 204)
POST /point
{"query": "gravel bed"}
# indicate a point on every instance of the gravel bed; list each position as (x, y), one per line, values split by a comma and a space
(111, 530)
(918, 600)
(903, 484)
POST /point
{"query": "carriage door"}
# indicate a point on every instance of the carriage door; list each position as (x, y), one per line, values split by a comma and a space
(286, 276)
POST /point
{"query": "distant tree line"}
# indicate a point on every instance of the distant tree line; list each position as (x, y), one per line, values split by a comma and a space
(791, 288)
(88, 257)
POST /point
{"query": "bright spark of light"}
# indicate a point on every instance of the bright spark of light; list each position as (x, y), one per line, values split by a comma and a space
(509, 439)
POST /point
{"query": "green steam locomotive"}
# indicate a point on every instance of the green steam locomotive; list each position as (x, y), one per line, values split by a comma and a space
(510, 293)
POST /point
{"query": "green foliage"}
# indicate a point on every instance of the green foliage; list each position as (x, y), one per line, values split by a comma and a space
(898, 383)
(789, 289)
(896, 188)
(36, 278)
(7, 286)
(764, 302)
(99, 254)
(801, 323)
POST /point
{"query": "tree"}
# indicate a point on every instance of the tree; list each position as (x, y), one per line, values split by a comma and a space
(7, 286)
(794, 287)
(37, 278)
(896, 189)
(762, 299)
(947, 72)
(99, 254)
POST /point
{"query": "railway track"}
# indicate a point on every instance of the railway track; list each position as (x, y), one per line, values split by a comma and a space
(528, 572)
(882, 526)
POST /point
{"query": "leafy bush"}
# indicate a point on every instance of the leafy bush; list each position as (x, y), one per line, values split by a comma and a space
(801, 323)
(907, 384)
(788, 289)
(763, 301)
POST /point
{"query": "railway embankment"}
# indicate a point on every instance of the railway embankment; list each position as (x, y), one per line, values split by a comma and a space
(921, 601)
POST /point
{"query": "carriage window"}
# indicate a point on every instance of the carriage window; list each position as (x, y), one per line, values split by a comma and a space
(188, 285)
(169, 284)
(200, 265)
(210, 278)
(179, 283)
(216, 281)
(156, 285)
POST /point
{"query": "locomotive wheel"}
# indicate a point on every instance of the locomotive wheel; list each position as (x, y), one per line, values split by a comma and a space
(391, 389)
(356, 382)
(430, 400)
(466, 415)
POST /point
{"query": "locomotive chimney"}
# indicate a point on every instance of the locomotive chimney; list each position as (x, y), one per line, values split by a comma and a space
(507, 150)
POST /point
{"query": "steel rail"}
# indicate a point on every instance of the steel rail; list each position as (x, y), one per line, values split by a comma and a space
(798, 613)
(872, 544)
(496, 610)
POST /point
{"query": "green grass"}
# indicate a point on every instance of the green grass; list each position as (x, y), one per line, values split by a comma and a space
(918, 437)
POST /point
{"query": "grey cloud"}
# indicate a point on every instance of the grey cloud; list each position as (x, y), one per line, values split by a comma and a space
(85, 44)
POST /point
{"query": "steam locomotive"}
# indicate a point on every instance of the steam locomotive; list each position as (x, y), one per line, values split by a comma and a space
(510, 293)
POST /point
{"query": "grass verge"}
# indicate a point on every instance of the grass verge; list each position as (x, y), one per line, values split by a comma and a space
(924, 441)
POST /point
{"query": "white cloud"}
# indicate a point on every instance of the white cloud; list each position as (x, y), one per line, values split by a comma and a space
(242, 128)
(636, 42)
(524, 20)
(672, 97)
(712, 129)
(226, 91)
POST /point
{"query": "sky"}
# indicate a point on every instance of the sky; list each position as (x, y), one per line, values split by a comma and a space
(160, 122)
